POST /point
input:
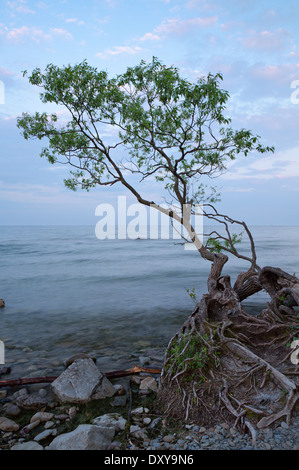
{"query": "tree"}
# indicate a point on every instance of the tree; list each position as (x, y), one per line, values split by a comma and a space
(178, 132)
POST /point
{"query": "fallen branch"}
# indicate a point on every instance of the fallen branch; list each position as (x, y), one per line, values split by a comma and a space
(48, 379)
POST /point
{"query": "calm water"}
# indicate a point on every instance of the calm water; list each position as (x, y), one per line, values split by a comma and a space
(68, 292)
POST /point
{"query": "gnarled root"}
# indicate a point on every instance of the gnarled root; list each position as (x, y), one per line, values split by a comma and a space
(224, 364)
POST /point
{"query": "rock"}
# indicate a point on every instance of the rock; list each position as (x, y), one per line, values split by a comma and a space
(144, 360)
(49, 424)
(84, 437)
(120, 389)
(43, 435)
(81, 382)
(32, 425)
(12, 410)
(149, 383)
(74, 358)
(169, 438)
(138, 411)
(42, 417)
(2, 303)
(114, 420)
(146, 421)
(119, 401)
(30, 445)
(8, 425)
(33, 401)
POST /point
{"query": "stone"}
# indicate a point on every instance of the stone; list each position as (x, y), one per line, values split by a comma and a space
(2, 303)
(74, 358)
(43, 435)
(138, 411)
(41, 416)
(8, 425)
(29, 445)
(144, 360)
(149, 383)
(12, 410)
(82, 382)
(32, 425)
(114, 420)
(119, 401)
(84, 437)
(169, 438)
(49, 424)
(33, 401)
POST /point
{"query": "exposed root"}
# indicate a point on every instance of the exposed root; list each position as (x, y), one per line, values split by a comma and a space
(235, 368)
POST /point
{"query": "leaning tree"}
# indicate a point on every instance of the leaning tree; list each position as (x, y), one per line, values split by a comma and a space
(223, 363)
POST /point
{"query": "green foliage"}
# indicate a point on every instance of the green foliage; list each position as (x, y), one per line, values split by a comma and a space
(192, 295)
(163, 125)
(217, 245)
(191, 355)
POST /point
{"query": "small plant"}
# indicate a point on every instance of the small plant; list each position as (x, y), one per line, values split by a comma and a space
(192, 295)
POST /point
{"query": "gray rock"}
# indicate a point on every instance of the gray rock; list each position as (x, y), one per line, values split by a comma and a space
(28, 402)
(84, 437)
(12, 410)
(8, 425)
(144, 360)
(149, 383)
(30, 445)
(41, 416)
(75, 357)
(81, 382)
(114, 420)
(43, 435)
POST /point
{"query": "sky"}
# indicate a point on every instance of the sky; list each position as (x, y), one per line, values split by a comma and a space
(255, 45)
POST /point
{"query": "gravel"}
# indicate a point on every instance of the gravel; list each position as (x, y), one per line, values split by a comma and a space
(221, 437)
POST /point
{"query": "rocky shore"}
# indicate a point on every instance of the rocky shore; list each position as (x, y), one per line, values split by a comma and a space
(84, 410)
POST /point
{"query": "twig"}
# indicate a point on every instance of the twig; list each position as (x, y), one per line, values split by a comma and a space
(48, 379)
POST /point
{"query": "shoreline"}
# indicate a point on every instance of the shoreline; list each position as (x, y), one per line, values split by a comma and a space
(145, 428)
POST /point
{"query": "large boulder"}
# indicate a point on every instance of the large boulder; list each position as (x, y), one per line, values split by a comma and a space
(82, 382)
(84, 437)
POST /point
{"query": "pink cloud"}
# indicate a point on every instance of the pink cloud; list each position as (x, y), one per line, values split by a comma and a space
(178, 27)
(267, 40)
(35, 34)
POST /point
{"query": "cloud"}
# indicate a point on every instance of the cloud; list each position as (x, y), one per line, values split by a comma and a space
(20, 6)
(180, 27)
(284, 164)
(267, 41)
(35, 34)
(75, 20)
(61, 32)
(150, 37)
(117, 50)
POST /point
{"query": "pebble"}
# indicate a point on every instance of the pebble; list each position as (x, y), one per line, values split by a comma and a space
(43, 435)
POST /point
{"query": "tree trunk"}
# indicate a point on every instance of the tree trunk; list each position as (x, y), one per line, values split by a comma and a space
(224, 364)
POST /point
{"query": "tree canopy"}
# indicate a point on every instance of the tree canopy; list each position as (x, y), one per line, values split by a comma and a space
(164, 126)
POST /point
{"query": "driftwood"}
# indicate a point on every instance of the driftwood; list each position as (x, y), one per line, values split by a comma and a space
(48, 379)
